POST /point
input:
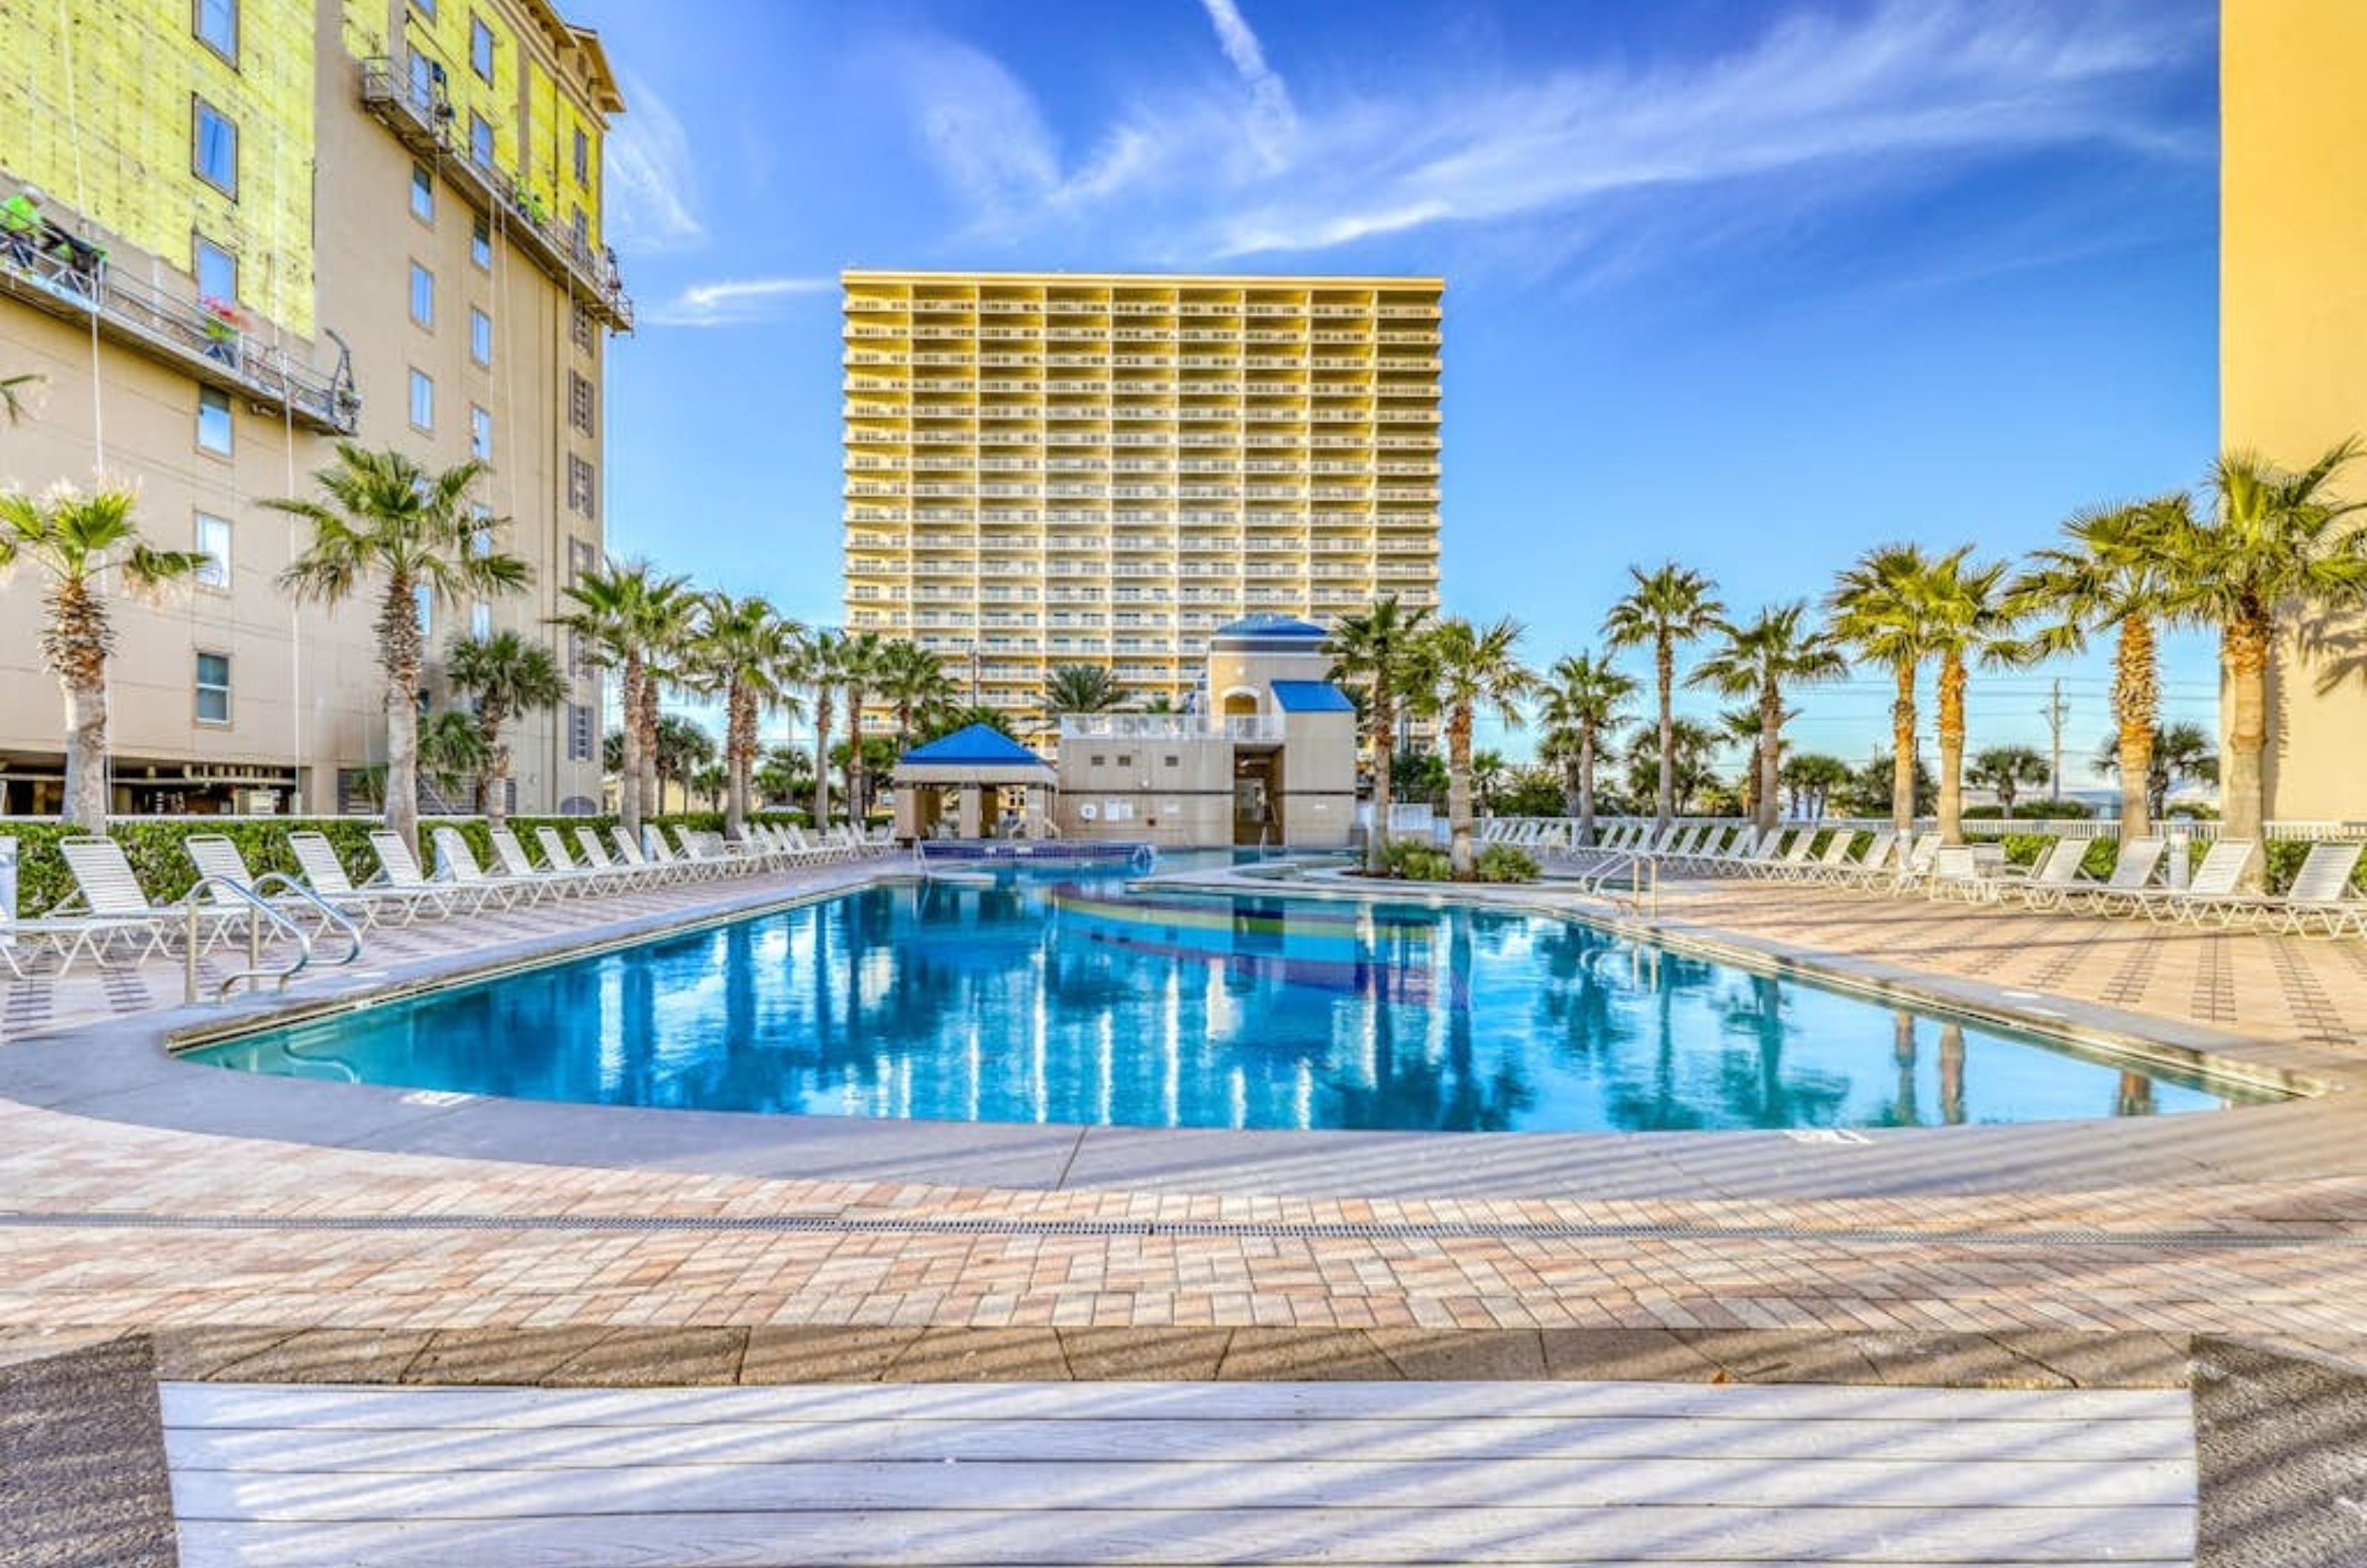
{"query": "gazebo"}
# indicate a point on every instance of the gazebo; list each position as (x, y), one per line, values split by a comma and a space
(973, 766)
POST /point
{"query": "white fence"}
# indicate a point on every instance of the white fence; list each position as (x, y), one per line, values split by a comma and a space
(1992, 826)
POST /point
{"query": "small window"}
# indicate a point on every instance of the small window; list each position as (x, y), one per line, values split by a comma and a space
(216, 25)
(480, 620)
(574, 655)
(481, 141)
(582, 157)
(481, 241)
(579, 225)
(213, 688)
(580, 404)
(481, 49)
(216, 270)
(578, 326)
(422, 194)
(213, 550)
(481, 434)
(422, 600)
(1174, 761)
(1126, 760)
(1100, 761)
(213, 419)
(579, 732)
(481, 336)
(423, 400)
(583, 487)
(582, 556)
(423, 296)
(213, 151)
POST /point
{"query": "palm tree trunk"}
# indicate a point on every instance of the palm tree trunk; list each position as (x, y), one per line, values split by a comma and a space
(2244, 663)
(629, 766)
(1458, 793)
(399, 659)
(1586, 785)
(76, 648)
(821, 760)
(1952, 749)
(2137, 691)
(1770, 760)
(735, 761)
(652, 793)
(1664, 810)
(1376, 842)
(858, 781)
(1902, 759)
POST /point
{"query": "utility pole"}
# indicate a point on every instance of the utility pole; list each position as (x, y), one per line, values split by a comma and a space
(2055, 711)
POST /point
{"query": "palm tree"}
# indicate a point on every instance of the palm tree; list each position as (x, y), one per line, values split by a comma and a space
(1881, 609)
(714, 784)
(817, 670)
(1489, 773)
(75, 539)
(1812, 779)
(1971, 618)
(2182, 753)
(666, 628)
(2115, 570)
(858, 669)
(1585, 700)
(383, 518)
(913, 682)
(1474, 668)
(679, 749)
(1082, 688)
(2006, 769)
(1761, 660)
(2277, 544)
(782, 773)
(1664, 608)
(453, 752)
(741, 650)
(1694, 748)
(617, 607)
(1372, 654)
(508, 677)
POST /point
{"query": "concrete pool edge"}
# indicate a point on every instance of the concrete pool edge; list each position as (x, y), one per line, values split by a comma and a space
(124, 1072)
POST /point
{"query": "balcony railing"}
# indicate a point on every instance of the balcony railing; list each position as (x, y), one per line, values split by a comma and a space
(83, 286)
(424, 120)
(1170, 726)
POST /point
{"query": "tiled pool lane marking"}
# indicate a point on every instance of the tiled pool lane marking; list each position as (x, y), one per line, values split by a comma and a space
(940, 1476)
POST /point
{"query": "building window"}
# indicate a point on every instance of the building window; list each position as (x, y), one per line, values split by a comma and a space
(423, 600)
(581, 487)
(423, 400)
(423, 296)
(213, 688)
(213, 150)
(582, 157)
(581, 407)
(582, 558)
(481, 241)
(579, 732)
(213, 419)
(480, 620)
(481, 49)
(216, 25)
(581, 227)
(574, 655)
(422, 194)
(481, 434)
(481, 336)
(213, 550)
(216, 270)
(578, 326)
(481, 141)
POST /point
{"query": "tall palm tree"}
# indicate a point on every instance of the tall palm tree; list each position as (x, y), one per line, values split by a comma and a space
(817, 670)
(452, 750)
(2180, 753)
(383, 518)
(2277, 544)
(858, 669)
(2006, 769)
(913, 682)
(667, 623)
(76, 540)
(506, 676)
(1082, 688)
(1972, 618)
(1475, 668)
(1371, 656)
(1761, 659)
(1671, 605)
(2115, 569)
(614, 609)
(1880, 608)
(1812, 779)
(1584, 700)
(742, 650)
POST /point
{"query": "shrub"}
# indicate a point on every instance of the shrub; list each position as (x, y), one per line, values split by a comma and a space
(1504, 863)
(1411, 861)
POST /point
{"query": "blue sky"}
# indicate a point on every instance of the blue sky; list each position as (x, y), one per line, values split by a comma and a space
(1750, 284)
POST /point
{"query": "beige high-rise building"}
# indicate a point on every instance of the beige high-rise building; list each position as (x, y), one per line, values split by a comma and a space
(265, 226)
(1060, 468)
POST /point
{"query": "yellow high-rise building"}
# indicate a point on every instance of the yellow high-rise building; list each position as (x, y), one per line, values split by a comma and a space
(263, 227)
(2293, 334)
(1054, 469)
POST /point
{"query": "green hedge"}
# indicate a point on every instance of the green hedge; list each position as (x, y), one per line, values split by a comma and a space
(153, 845)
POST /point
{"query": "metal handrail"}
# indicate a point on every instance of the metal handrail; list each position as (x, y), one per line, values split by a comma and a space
(330, 914)
(197, 903)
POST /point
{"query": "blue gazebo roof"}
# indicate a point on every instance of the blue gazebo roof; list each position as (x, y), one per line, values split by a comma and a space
(975, 746)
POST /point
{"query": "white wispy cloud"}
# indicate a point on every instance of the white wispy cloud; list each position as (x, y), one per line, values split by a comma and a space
(732, 301)
(652, 175)
(1820, 105)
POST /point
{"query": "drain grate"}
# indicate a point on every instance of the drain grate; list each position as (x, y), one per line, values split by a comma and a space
(1184, 1230)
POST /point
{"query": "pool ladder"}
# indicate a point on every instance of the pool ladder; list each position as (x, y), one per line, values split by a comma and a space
(254, 895)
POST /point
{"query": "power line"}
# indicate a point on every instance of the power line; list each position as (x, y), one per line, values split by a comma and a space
(2055, 711)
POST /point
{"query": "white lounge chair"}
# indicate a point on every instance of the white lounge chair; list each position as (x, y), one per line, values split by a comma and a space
(564, 881)
(1873, 860)
(597, 877)
(371, 902)
(107, 887)
(456, 865)
(397, 867)
(1779, 866)
(2321, 895)
(2133, 873)
(2214, 894)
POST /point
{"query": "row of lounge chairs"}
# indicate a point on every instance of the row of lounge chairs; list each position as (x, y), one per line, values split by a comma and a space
(2319, 901)
(109, 918)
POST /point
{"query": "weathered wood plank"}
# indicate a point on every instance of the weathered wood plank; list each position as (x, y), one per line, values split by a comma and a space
(974, 1539)
(559, 1446)
(232, 1405)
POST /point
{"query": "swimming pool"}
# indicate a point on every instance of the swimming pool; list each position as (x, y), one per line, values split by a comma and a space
(1033, 1000)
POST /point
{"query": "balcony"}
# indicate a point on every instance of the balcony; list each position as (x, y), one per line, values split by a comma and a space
(82, 287)
(1170, 725)
(423, 120)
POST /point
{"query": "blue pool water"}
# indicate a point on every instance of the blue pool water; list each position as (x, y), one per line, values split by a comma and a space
(1019, 1000)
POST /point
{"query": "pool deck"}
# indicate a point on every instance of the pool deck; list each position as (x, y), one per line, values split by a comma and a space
(251, 1221)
